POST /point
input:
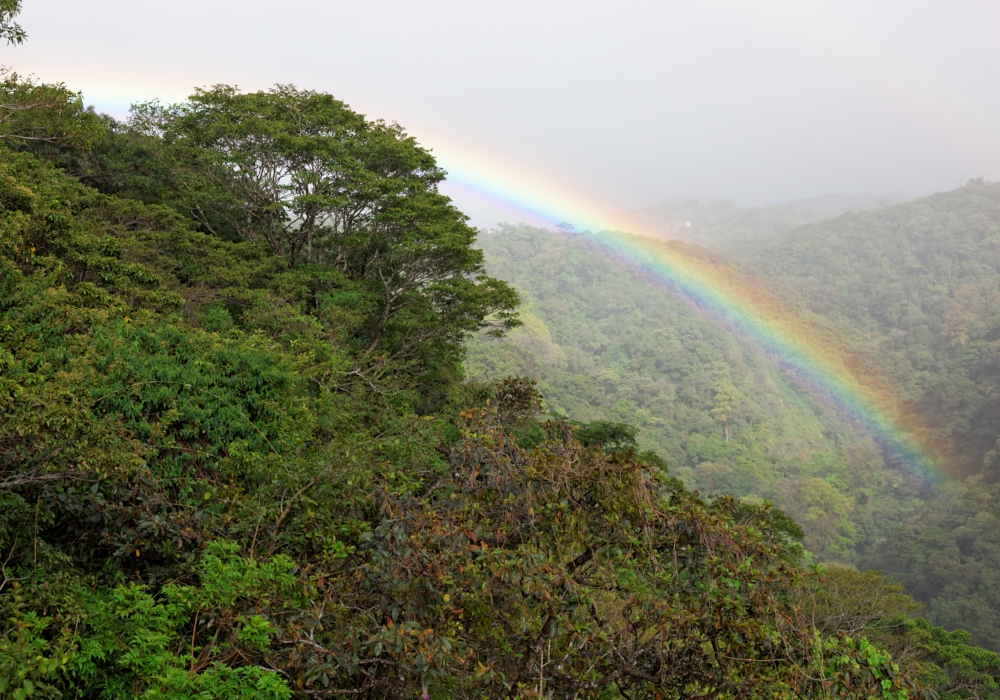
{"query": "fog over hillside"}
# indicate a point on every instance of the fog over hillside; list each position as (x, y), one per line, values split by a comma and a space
(739, 230)
(537, 350)
(620, 103)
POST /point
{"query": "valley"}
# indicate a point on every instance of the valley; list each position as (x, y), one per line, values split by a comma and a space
(915, 286)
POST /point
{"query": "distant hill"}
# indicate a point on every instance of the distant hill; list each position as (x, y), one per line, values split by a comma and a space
(922, 280)
(606, 344)
(739, 231)
(916, 284)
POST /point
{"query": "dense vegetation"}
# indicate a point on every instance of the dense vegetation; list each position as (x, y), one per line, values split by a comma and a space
(608, 344)
(239, 459)
(914, 286)
(922, 280)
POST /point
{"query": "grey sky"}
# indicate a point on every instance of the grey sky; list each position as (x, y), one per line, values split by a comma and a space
(631, 101)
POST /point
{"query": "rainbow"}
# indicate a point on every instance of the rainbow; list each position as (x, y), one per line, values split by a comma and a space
(798, 340)
(807, 344)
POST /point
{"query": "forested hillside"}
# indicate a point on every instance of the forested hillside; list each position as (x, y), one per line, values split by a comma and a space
(915, 287)
(740, 231)
(922, 280)
(606, 343)
(239, 459)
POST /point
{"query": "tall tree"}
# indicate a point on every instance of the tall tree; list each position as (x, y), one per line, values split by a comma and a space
(47, 119)
(301, 173)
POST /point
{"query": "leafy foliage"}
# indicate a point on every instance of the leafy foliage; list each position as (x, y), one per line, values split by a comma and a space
(228, 472)
(9, 29)
(611, 347)
(44, 118)
(609, 436)
(841, 600)
(317, 184)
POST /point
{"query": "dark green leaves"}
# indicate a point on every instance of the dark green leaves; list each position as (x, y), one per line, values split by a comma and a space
(9, 29)
(301, 174)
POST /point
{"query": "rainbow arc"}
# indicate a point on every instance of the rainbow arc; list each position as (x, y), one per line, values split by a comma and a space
(810, 346)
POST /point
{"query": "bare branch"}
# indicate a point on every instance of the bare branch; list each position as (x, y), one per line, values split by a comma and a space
(36, 477)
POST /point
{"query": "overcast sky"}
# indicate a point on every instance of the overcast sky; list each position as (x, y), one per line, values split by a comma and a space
(626, 101)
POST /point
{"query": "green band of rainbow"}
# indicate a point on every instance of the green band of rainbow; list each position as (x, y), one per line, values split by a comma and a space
(808, 345)
(810, 351)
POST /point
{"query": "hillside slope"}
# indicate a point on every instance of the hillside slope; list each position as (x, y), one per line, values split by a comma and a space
(607, 344)
(210, 489)
(739, 231)
(915, 286)
(922, 280)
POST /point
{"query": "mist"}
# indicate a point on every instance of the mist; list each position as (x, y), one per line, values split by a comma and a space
(718, 359)
(629, 102)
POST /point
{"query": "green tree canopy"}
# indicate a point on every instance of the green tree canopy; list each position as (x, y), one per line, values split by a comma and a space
(302, 174)
(48, 119)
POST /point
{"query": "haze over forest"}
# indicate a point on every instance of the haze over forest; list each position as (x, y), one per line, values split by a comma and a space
(622, 104)
(525, 351)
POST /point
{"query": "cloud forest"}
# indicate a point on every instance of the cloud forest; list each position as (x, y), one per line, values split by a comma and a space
(276, 422)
